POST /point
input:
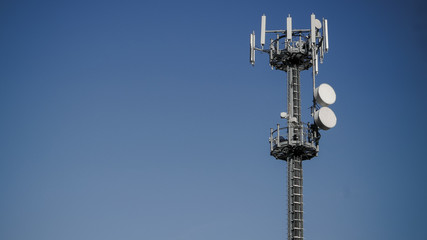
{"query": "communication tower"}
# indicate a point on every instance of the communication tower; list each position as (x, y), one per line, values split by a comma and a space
(292, 51)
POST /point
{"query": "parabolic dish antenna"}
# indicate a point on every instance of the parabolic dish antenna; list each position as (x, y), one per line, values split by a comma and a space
(318, 24)
(325, 95)
(325, 118)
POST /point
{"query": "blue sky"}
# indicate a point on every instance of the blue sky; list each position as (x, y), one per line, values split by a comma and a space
(145, 120)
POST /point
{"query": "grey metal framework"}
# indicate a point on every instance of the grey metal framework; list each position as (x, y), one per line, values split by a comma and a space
(293, 51)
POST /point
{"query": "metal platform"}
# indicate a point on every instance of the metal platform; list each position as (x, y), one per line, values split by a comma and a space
(304, 142)
(296, 53)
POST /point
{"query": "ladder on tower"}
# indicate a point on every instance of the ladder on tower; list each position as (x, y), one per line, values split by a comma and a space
(295, 198)
(296, 94)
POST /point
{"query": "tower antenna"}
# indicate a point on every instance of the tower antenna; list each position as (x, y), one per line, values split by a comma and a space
(292, 51)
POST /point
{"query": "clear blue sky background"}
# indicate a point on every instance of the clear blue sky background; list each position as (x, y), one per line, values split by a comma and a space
(144, 120)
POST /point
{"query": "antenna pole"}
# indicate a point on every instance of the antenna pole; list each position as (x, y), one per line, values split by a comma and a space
(313, 54)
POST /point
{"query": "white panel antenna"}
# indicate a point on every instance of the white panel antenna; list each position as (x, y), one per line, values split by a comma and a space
(317, 64)
(252, 48)
(313, 29)
(325, 34)
(271, 52)
(263, 23)
(322, 50)
(289, 28)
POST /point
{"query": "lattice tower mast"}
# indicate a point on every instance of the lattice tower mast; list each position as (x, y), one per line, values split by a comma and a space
(292, 51)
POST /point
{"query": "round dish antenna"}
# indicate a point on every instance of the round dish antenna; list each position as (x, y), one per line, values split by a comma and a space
(325, 95)
(317, 24)
(325, 118)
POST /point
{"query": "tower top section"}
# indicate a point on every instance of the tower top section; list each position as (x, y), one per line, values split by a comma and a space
(301, 48)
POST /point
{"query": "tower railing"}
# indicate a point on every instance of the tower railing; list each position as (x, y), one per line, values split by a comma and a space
(304, 141)
(302, 135)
